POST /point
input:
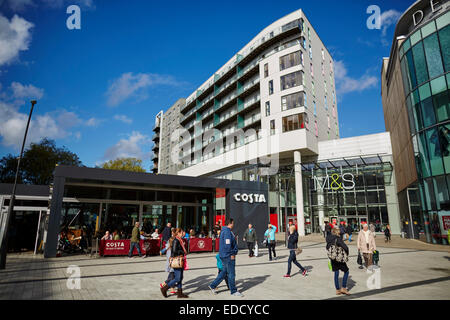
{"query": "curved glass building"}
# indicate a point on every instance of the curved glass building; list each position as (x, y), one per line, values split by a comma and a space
(418, 117)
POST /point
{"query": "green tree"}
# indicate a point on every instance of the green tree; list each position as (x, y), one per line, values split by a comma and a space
(124, 164)
(38, 163)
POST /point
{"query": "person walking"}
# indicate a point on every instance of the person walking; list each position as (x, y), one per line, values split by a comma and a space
(372, 229)
(366, 245)
(342, 230)
(251, 238)
(270, 236)
(135, 238)
(327, 229)
(292, 246)
(334, 239)
(349, 231)
(167, 232)
(387, 234)
(178, 251)
(227, 252)
(168, 252)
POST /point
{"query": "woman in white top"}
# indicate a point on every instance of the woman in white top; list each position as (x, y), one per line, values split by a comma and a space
(366, 244)
(155, 235)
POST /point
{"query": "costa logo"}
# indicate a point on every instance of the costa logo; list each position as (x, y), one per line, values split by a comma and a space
(250, 198)
(201, 244)
(115, 244)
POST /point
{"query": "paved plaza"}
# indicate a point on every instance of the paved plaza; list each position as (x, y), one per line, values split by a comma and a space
(417, 271)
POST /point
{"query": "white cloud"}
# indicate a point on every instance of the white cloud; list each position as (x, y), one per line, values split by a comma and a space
(123, 118)
(130, 147)
(129, 85)
(15, 36)
(21, 91)
(93, 122)
(389, 18)
(14, 123)
(346, 84)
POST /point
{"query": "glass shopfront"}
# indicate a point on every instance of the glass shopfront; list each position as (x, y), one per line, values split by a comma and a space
(326, 196)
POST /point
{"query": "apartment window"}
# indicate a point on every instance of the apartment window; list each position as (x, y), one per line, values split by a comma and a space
(290, 60)
(267, 108)
(272, 127)
(316, 128)
(266, 70)
(291, 101)
(325, 86)
(270, 87)
(309, 34)
(323, 69)
(301, 59)
(323, 54)
(329, 123)
(315, 108)
(294, 122)
(312, 69)
(310, 52)
(326, 104)
(334, 112)
(313, 87)
(303, 42)
(291, 80)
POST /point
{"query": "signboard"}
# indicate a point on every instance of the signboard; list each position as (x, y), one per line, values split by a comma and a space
(446, 222)
(122, 247)
(250, 198)
(200, 245)
(344, 181)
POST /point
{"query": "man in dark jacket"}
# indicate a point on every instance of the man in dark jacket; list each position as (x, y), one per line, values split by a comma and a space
(135, 238)
(167, 232)
(227, 252)
(250, 237)
(349, 231)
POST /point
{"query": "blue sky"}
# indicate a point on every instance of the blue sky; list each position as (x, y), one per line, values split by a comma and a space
(100, 87)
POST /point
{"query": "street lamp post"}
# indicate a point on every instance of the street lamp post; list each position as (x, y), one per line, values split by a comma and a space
(6, 221)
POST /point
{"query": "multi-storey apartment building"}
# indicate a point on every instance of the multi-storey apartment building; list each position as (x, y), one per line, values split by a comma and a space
(166, 123)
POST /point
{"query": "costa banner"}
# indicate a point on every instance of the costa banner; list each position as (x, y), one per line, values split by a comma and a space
(200, 245)
(122, 247)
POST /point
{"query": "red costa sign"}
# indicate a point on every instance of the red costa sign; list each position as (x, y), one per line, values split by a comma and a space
(122, 247)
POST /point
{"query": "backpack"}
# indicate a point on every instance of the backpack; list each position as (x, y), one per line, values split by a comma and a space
(337, 253)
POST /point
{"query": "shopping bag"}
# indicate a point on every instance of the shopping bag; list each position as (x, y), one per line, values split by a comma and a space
(329, 265)
(359, 259)
(376, 256)
(256, 249)
(185, 264)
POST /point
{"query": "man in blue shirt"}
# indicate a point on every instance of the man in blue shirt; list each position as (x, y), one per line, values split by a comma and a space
(227, 251)
(270, 237)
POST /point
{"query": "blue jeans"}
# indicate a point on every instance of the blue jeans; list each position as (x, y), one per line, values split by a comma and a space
(178, 278)
(138, 247)
(336, 280)
(228, 270)
(350, 237)
(293, 258)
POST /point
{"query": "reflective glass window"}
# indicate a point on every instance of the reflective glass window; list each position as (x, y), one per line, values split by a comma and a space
(444, 136)
(444, 39)
(411, 71)
(433, 54)
(423, 165)
(427, 108)
(440, 186)
(435, 153)
(419, 62)
(441, 103)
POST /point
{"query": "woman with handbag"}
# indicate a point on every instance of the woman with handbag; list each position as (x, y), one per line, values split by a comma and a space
(366, 245)
(338, 254)
(293, 251)
(177, 262)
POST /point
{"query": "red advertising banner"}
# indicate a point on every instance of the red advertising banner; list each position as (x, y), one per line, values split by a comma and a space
(216, 245)
(446, 222)
(122, 247)
(274, 221)
(200, 245)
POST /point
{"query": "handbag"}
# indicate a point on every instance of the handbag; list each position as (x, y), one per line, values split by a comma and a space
(298, 251)
(178, 262)
(337, 253)
(359, 259)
